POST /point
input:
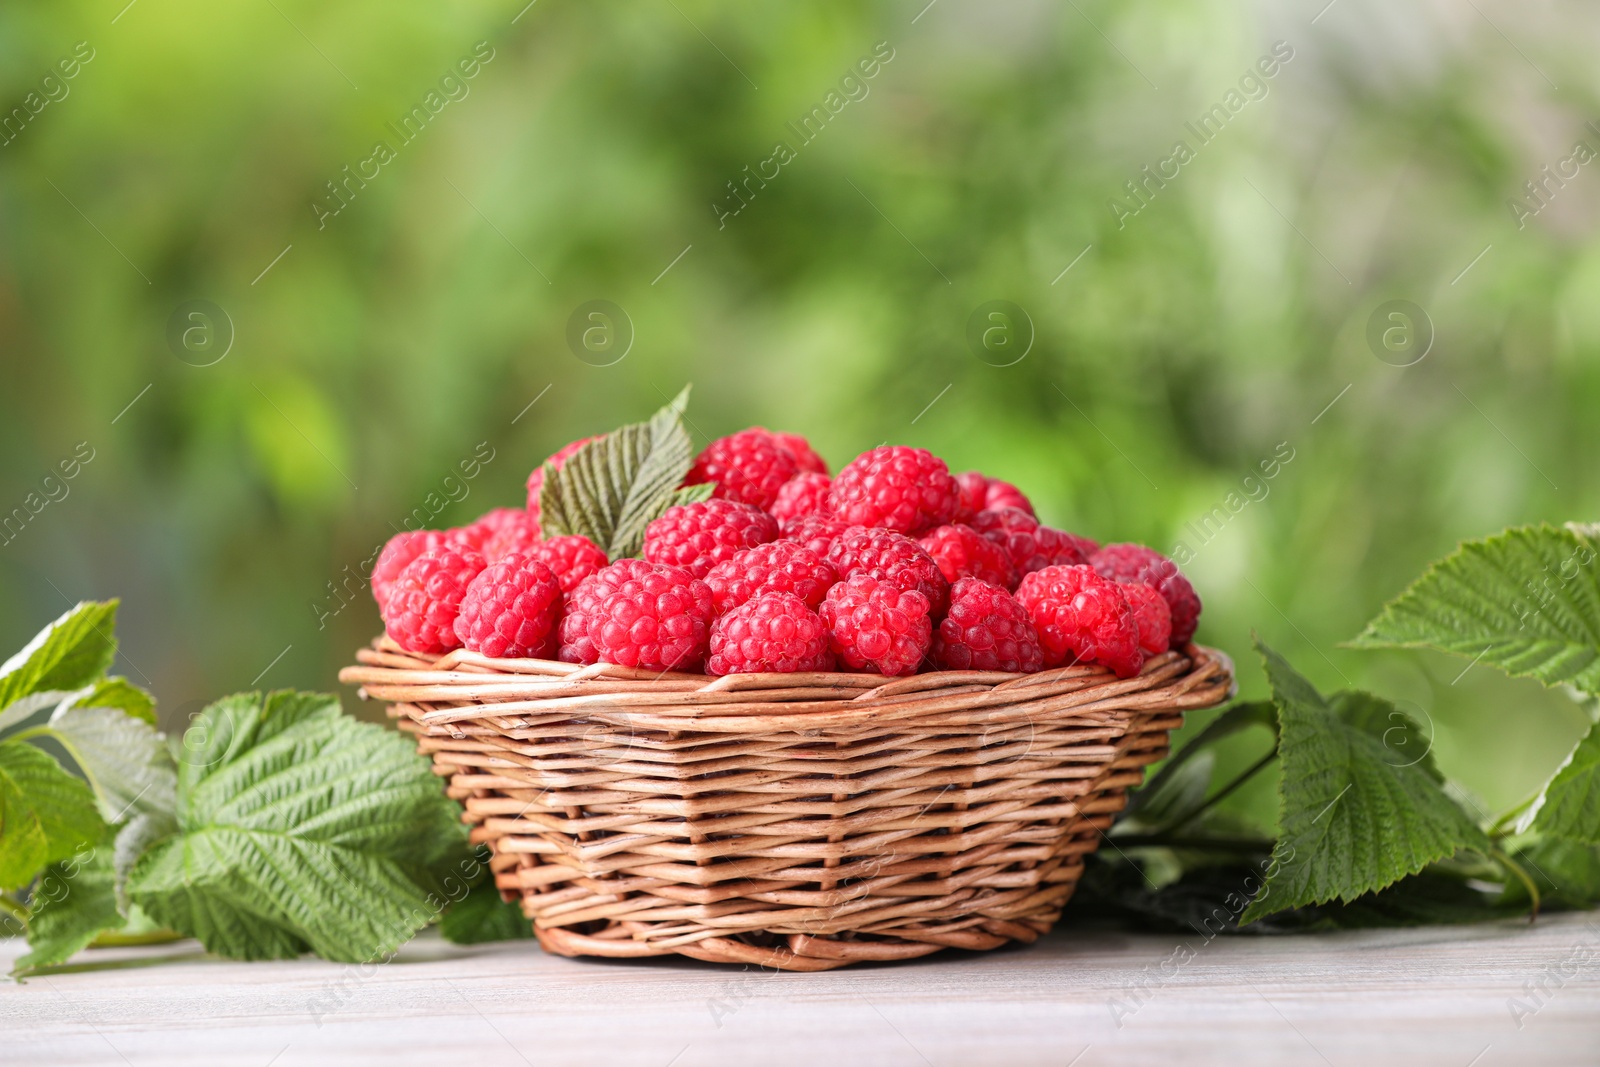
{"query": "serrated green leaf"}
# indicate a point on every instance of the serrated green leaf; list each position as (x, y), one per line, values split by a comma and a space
(295, 823)
(482, 916)
(614, 486)
(67, 655)
(1526, 600)
(1354, 814)
(124, 758)
(72, 904)
(1569, 806)
(1567, 873)
(133, 840)
(1234, 719)
(118, 692)
(46, 814)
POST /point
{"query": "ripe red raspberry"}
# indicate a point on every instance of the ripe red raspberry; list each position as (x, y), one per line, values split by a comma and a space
(895, 487)
(892, 557)
(510, 609)
(804, 455)
(400, 550)
(558, 460)
(771, 631)
(656, 617)
(420, 614)
(1029, 545)
(962, 552)
(875, 625)
(584, 601)
(800, 497)
(815, 532)
(502, 530)
(1136, 563)
(980, 492)
(749, 467)
(570, 558)
(699, 536)
(779, 566)
(1153, 616)
(1081, 618)
(986, 630)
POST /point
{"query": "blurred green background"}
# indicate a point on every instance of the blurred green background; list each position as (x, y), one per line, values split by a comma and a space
(1174, 348)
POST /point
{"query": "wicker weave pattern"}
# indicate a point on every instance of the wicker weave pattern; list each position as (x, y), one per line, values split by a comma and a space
(802, 822)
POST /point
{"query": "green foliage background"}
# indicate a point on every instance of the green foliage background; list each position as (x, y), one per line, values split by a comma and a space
(1174, 356)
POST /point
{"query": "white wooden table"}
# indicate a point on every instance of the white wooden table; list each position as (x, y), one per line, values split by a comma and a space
(1441, 995)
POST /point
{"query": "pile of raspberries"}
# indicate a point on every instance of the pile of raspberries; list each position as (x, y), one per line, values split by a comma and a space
(892, 566)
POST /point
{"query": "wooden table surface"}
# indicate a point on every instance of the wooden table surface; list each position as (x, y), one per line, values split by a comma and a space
(1482, 996)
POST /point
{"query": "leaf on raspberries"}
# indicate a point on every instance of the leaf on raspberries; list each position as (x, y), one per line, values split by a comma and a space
(616, 485)
(482, 916)
(1355, 814)
(72, 904)
(295, 823)
(1569, 805)
(46, 814)
(67, 655)
(1526, 600)
(124, 758)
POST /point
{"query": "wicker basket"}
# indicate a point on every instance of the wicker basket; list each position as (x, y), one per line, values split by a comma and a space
(795, 821)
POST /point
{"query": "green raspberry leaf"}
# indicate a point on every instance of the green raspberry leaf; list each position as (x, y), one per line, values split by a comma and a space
(119, 693)
(125, 759)
(72, 904)
(1569, 807)
(295, 826)
(1526, 600)
(616, 485)
(69, 654)
(46, 814)
(1356, 814)
(481, 916)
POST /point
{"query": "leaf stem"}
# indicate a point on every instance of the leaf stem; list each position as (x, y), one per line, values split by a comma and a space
(115, 939)
(14, 908)
(1221, 794)
(1199, 844)
(1521, 875)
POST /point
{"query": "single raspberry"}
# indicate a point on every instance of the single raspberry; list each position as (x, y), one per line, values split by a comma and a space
(557, 461)
(804, 455)
(876, 625)
(800, 497)
(986, 630)
(749, 467)
(584, 601)
(656, 618)
(1136, 563)
(1153, 616)
(570, 558)
(510, 609)
(980, 492)
(1029, 545)
(400, 550)
(699, 536)
(892, 557)
(772, 631)
(503, 530)
(779, 566)
(1081, 618)
(420, 614)
(962, 552)
(895, 487)
(816, 532)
